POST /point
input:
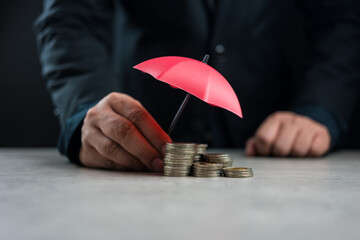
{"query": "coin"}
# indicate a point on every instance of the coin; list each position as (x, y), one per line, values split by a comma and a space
(223, 158)
(185, 159)
(204, 169)
(238, 172)
(178, 159)
(200, 149)
(207, 165)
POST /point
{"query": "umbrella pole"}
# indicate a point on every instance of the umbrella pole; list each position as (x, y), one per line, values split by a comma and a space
(179, 112)
(183, 104)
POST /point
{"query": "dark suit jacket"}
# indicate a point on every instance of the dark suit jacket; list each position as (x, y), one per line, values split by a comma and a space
(301, 56)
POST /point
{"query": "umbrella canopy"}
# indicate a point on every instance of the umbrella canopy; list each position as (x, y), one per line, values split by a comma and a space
(194, 77)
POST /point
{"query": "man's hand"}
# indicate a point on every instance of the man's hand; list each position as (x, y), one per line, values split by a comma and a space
(289, 134)
(118, 133)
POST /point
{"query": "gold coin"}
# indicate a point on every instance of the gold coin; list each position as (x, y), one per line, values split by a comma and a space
(207, 165)
(237, 169)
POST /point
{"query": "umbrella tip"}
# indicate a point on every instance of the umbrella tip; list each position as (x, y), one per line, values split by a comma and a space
(206, 58)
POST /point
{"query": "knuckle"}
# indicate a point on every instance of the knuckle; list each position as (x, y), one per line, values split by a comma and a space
(119, 99)
(125, 96)
(92, 112)
(285, 116)
(305, 118)
(84, 133)
(137, 114)
(263, 138)
(137, 102)
(123, 129)
(122, 98)
(324, 131)
(277, 115)
(302, 122)
(112, 96)
(85, 136)
(297, 119)
(110, 148)
(280, 114)
(305, 122)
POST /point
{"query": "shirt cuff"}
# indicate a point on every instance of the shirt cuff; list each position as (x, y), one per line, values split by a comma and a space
(69, 141)
(336, 126)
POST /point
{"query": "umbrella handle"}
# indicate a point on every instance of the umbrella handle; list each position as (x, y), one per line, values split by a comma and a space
(183, 104)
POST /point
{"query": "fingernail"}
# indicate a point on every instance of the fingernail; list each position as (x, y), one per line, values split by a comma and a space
(163, 149)
(158, 165)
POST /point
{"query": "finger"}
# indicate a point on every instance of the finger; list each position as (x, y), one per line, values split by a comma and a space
(250, 147)
(123, 132)
(285, 139)
(266, 135)
(91, 158)
(303, 141)
(113, 151)
(132, 110)
(320, 145)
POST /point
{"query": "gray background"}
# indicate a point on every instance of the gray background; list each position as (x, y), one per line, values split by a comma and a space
(43, 197)
(26, 112)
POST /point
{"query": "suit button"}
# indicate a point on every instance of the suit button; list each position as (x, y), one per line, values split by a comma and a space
(219, 49)
(56, 112)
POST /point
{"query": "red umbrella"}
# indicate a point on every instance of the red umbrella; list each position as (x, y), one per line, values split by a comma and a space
(196, 78)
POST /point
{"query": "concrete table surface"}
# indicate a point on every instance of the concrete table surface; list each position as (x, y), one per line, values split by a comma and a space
(42, 196)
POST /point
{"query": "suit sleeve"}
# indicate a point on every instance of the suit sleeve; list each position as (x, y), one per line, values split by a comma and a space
(329, 90)
(74, 40)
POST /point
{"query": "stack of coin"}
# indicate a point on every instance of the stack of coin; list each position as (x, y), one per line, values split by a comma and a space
(178, 159)
(238, 172)
(203, 169)
(200, 149)
(222, 158)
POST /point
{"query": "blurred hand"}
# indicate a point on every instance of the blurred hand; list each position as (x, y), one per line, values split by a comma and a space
(289, 134)
(118, 133)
